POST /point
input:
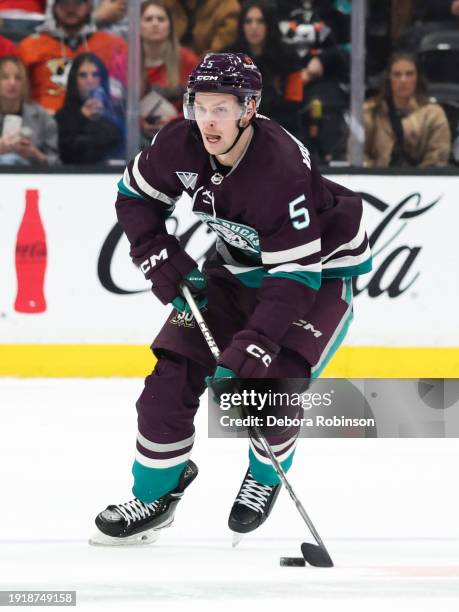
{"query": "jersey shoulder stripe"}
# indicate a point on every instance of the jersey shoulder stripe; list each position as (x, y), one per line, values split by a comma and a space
(148, 189)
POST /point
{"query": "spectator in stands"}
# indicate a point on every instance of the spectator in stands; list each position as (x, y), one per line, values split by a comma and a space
(402, 126)
(90, 130)
(436, 10)
(28, 133)
(319, 31)
(21, 17)
(259, 37)
(205, 25)
(429, 16)
(7, 47)
(111, 16)
(165, 67)
(48, 54)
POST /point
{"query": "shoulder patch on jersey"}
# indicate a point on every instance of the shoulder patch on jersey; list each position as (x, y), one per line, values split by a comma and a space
(188, 179)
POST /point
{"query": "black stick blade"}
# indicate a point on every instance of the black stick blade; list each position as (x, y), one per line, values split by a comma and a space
(316, 555)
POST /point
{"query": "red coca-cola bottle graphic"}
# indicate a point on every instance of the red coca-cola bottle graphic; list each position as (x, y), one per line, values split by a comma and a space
(31, 258)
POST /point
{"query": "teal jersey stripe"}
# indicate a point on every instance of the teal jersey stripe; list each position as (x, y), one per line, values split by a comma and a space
(311, 279)
(251, 278)
(345, 272)
(254, 278)
(127, 192)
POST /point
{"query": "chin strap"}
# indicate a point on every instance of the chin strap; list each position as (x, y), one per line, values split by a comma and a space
(240, 132)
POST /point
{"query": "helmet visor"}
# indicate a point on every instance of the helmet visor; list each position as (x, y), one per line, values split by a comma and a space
(215, 108)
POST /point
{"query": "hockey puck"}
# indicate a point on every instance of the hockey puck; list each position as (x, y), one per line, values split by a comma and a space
(292, 562)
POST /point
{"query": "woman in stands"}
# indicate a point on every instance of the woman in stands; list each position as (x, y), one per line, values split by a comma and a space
(402, 126)
(28, 134)
(165, 67)
(259, 36)
(90, 130)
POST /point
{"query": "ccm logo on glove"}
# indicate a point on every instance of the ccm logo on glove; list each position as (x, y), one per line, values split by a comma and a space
(151, 262)
(259, 353)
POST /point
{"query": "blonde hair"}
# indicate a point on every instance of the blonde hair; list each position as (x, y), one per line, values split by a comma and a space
(25, 90)
(171, 55)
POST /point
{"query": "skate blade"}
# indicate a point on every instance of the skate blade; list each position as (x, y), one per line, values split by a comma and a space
(237, 537)
(138, 539)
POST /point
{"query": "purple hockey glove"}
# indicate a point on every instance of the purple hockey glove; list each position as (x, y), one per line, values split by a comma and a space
(165, 265)
(249, 355)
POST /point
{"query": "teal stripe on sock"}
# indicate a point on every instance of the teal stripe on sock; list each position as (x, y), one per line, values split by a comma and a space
(152, 483)
(265, 473)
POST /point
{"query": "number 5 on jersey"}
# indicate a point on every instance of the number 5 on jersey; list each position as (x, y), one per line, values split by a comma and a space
(299, 214)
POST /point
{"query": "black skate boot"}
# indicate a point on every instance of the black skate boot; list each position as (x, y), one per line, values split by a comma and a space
(251, 507)
(135, 522)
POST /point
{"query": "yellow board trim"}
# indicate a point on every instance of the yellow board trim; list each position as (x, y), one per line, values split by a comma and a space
(106, 360)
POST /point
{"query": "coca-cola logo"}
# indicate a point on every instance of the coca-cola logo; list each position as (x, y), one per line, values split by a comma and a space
(394, 270)
(394, 267)
(33, 250)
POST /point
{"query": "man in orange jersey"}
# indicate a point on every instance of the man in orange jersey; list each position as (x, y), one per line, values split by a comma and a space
(49, 53)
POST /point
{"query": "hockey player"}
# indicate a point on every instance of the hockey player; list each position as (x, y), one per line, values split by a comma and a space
(277, 293)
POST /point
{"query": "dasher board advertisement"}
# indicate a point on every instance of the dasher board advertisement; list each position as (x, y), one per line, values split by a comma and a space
(61, 231)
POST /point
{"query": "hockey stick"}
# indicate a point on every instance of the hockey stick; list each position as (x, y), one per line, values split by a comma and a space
(314, 554)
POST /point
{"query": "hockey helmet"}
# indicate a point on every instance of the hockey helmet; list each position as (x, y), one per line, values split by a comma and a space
(231, 73)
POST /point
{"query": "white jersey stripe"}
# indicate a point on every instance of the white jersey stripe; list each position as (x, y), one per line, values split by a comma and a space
(292, 267)
(274, 257)
(348, 260)
(353, 244)
(241, 269)
(164, 448)
(127, 183)
(146, 188)
(161, 463)
(266, 460)
(275, 447)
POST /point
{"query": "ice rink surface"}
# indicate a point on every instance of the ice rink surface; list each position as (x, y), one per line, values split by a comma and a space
(387, 510)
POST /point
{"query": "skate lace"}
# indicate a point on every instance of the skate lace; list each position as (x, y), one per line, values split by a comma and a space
(135, 510)
(253, 494)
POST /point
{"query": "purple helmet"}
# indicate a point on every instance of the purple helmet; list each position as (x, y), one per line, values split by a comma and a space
(232, 73)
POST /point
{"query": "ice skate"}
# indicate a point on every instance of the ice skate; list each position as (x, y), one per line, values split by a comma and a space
(135, 522)
(251, 507)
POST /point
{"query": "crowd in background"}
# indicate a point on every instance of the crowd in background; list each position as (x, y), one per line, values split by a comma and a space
(63, 74)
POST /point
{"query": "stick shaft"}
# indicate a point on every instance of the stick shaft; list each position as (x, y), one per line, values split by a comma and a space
(200, 321)
(208, 337)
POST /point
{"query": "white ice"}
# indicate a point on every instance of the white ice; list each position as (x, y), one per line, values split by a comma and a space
(387, 510)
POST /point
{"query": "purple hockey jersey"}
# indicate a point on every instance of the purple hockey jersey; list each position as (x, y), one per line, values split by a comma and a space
(280, 226)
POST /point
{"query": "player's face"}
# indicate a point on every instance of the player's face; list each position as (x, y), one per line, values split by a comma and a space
(154, 24)
(403, 77)
(217, 116)
(10, 82)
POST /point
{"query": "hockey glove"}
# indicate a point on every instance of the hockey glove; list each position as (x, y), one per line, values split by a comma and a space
(249, 355)
(196, 283)
(167, 266)
(222, 381)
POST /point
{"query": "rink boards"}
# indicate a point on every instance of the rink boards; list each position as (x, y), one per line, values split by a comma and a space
(100, 316)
